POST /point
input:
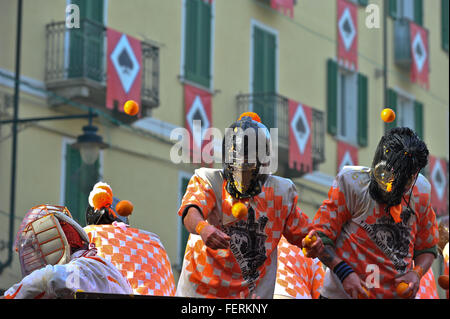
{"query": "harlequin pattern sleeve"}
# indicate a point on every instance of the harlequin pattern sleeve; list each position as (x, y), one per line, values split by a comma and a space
(200, 194)
(427, 228)
(332, 214)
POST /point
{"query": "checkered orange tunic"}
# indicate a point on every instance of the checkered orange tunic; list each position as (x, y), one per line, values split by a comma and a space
(139, 255)
(249, 266)
(428, 288)
(363, 234)
(298, 277)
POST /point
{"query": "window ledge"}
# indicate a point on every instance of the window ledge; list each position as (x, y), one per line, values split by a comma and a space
(183, 80)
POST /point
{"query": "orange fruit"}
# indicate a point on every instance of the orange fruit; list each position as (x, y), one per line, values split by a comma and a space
(239, 210)
(388, 115)
(361, 296)
(443, 281)
(124, 208)
(309, 241)
(131, 107)
(100, 199)
(401, 290)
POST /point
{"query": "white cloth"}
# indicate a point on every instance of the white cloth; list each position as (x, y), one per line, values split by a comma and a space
(89, 274)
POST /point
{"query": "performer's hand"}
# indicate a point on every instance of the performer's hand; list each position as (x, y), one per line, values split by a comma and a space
(312, 245)
(214, 238)
(413, 281)
(353, 286)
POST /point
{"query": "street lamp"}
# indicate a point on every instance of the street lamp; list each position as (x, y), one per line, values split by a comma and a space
(89, 144)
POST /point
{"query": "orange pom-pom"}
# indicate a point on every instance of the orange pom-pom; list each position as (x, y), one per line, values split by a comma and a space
(239, 210)
(104, 186)
(253, 115)
(131, 107)
(401, 290)
(388, 115)
(99, 198)
(124, 208)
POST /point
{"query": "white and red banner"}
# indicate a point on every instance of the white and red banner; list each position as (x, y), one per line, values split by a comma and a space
(300, 137)
(284, 6)
(347, 34)
(419, 55)
(347, 155)
(439, 185)
(198, 117)
(124, 69)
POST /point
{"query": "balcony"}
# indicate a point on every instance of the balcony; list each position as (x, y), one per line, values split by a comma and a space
(75, 67)
(274, 112)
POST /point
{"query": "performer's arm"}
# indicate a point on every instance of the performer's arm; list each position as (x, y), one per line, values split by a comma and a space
(211, 236)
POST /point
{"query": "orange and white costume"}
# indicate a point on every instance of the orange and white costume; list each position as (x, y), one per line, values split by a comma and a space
(87, 273)
(56, 259)
(298, 277)
(427, 288)
(139, 255)
(364, 234)
(249, 266)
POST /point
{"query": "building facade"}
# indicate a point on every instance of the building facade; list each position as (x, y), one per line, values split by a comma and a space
(318, 71)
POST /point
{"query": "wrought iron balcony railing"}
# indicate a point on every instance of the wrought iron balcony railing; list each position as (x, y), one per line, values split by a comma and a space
(78, 56)
(274, 112)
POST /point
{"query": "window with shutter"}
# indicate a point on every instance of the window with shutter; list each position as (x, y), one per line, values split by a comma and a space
(347, 106)
(197, 55)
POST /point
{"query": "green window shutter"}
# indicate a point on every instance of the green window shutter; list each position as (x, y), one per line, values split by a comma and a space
(392, 104)
(418, 119)
(362, 110)
(392, 8)
(198, 42)
(205, 40)
(418, 12)
(80, 178)
(264, 75)
(444, 22)
(86, 52)
(332, 76)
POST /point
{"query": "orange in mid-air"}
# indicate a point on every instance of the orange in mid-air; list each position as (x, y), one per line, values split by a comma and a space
(401, 290)
(388, 115)
(124, 208)
(239, 210)
(131, 107)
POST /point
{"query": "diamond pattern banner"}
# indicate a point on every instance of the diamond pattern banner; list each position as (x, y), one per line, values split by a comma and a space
(439, 185)
(347, 155)
(198, 116)
(420, 55)
(124, 69)
(347, 29)
(300, 141)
